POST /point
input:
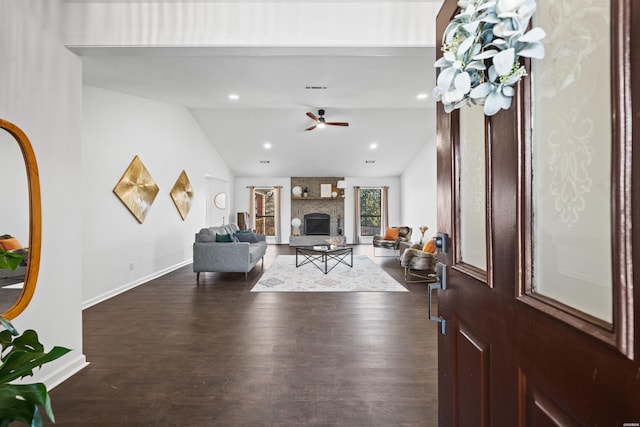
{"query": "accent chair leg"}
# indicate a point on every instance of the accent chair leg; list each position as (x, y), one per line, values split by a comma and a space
(413, 277)
(198, 277)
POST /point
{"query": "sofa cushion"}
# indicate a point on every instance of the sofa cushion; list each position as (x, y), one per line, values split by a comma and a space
(430, 246)
(10, 244)
(206, 235)
(247, 237)
(225, 238)
(391, 233)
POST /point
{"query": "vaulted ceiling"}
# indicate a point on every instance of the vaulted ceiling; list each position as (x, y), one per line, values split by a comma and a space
(375, 89)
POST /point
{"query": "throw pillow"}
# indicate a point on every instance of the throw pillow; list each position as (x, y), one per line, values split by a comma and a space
(247, 237)
(224, 238)
(10, 244)
(430, 246)
(392, 233)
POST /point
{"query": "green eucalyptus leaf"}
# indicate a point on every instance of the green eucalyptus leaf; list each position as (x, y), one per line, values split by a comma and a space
(487, 5)
(464, 46)
(504, 60)
(483, 33)
(534, 35)
(476, 65)
(486, 54)
(532, 50)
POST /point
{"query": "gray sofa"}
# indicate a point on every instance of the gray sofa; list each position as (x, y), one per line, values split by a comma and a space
(210, 255)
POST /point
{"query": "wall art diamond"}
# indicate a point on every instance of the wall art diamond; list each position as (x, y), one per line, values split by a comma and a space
(137, 189)
(182, 194)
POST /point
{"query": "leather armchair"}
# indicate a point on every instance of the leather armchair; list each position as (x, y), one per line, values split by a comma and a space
(419, 266)
(403, 236)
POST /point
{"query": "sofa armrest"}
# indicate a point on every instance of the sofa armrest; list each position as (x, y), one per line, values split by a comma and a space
(261, 237)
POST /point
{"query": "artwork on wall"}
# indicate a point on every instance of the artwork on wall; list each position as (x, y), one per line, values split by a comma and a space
(136, 189)
(325, 190)
(182, 194)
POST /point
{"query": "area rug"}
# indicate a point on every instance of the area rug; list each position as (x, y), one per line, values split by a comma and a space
(365, 276)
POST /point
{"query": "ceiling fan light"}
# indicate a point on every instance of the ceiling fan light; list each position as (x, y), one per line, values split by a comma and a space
(321, 125)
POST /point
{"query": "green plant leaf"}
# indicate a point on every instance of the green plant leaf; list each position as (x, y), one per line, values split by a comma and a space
(10, 260)
(20, 403)
(20, 363)
(20, 355)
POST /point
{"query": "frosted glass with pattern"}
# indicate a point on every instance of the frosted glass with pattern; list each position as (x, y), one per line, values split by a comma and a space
(472, 200)
(572, 157)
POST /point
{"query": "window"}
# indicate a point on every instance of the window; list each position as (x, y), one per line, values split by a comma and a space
(370, 211)
(265, 211)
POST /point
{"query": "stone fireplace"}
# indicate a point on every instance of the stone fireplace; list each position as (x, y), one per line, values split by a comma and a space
(321, 217)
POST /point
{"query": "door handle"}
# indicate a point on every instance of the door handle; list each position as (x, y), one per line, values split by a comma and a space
(440, 283)
(441, 242)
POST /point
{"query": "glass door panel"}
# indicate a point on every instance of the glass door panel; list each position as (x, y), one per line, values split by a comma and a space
(472, 198)
(572, 152)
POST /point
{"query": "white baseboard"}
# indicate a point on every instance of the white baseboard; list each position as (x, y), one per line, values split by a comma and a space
(112, 293)
(65, 371)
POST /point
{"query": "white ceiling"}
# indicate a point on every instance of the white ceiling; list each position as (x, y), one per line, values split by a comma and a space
(374, 89)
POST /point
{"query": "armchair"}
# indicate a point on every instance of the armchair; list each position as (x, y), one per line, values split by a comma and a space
(419, 266)
(392, 238)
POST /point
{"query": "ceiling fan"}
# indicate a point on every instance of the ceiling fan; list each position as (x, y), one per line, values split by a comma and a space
(320, 122)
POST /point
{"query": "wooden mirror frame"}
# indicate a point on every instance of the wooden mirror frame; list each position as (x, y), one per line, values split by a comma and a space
(35, 220)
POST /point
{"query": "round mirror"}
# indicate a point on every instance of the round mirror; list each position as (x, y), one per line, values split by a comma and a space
(220, 201)
(20, 221)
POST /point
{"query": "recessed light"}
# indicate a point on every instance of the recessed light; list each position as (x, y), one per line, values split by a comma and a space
(373, 146)
(234, 96)
(267, 145)
(422, 96)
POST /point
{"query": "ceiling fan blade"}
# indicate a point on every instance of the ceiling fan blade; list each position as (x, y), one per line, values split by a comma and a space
(313, 117)
(312, 127)
(337, 123)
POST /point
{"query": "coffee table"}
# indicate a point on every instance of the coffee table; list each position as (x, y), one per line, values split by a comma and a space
(324, 259)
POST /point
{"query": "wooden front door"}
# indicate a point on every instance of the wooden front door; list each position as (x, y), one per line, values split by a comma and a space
(539, 206)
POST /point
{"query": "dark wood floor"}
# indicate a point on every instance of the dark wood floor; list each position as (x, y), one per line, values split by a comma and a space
(173, 353)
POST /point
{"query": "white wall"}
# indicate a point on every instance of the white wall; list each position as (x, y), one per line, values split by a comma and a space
(41, 92)
(420, 192)
(119, 252)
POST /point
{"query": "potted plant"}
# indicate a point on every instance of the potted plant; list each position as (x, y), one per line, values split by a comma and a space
(305, 192)
(19, 356)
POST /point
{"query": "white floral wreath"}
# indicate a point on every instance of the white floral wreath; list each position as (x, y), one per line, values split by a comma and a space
(486, 33)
